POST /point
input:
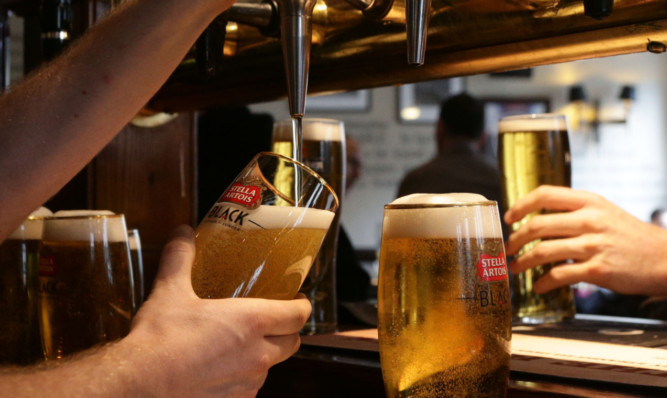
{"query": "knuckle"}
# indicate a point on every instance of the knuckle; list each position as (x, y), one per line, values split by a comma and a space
(533, 227)
(591, 245)
(255, 323)
(178, 246)
(541, 250)
(543, 190)
(296, 343)
(592, 221)
(264, 362)
(596, 272)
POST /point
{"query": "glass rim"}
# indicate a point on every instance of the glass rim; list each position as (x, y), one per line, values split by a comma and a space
(309, 120)
(82, 217)
(439, 205)
(535, 116)
(307, 169)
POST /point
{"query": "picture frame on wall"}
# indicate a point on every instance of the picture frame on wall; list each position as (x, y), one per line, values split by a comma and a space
(419, 103)
(349, 101)
(498, 108)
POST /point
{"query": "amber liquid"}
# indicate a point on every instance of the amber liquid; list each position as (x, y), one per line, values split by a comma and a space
(528, 160)
(20, 343)
(442, 330)
(266, 263)
(86, 297)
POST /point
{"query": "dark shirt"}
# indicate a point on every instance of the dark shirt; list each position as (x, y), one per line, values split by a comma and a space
(458, 169)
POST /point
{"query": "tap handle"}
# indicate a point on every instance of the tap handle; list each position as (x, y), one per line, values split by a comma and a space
(208, 48)
(262, 15)
(416, 20)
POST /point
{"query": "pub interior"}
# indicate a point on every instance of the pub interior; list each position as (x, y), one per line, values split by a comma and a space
(167, 167)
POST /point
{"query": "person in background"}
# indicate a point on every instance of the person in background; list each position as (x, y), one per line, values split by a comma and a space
(353, 284)
(602, 244)
(459, 165)
(52, 125)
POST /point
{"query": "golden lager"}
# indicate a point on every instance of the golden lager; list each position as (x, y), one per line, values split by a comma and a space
(444, 317)
(268, 256)
(85, 282)
(259, 239)
(534, 150)
(20, 342)
(323, 150)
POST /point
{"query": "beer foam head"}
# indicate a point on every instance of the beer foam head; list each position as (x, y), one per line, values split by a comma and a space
(314, 129)
(86, 226)
(277, 217)
(450, 215)
(83, 213)
(534, 122)
(440, 199)
(272, 217)
(31, 228)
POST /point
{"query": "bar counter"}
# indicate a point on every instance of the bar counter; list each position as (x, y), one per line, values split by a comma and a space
(586, 357)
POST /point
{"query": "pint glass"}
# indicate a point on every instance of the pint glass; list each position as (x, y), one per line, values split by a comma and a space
(85, 281)
(262, 235)
(20, 343)
(323, 151)
(534, 150)
(444, 316)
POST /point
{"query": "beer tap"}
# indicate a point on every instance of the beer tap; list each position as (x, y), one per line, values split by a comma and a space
(416, 23)
(294, 18)
(296, 36)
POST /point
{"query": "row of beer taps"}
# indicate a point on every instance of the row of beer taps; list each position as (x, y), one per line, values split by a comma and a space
(292, 20)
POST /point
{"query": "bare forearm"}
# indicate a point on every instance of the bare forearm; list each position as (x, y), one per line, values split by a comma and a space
(98, 373)
(56, 122)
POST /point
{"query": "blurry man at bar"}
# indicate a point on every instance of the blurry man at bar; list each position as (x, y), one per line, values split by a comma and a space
(52, 126)
(459, 165)
(20, 342)
(534, 150)
(443, 302)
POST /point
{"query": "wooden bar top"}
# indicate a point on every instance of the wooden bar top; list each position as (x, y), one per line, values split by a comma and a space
(585, 357)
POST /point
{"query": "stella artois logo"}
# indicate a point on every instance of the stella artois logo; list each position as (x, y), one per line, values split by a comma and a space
(47, 266)
(246, 193)
(492, 268)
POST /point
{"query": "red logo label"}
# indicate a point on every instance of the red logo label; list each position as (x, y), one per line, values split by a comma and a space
(490, 268)
(47, 266)
(244, 195)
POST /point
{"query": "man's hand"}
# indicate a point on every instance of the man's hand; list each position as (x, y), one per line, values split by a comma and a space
(605, 245)
(199, 347)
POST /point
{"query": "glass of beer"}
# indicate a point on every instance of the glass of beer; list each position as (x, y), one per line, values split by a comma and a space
(86, 293)
(262, 235)
(136, 257)
(323, 150)
(444, 317)
(20, 343)
(534, 150)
